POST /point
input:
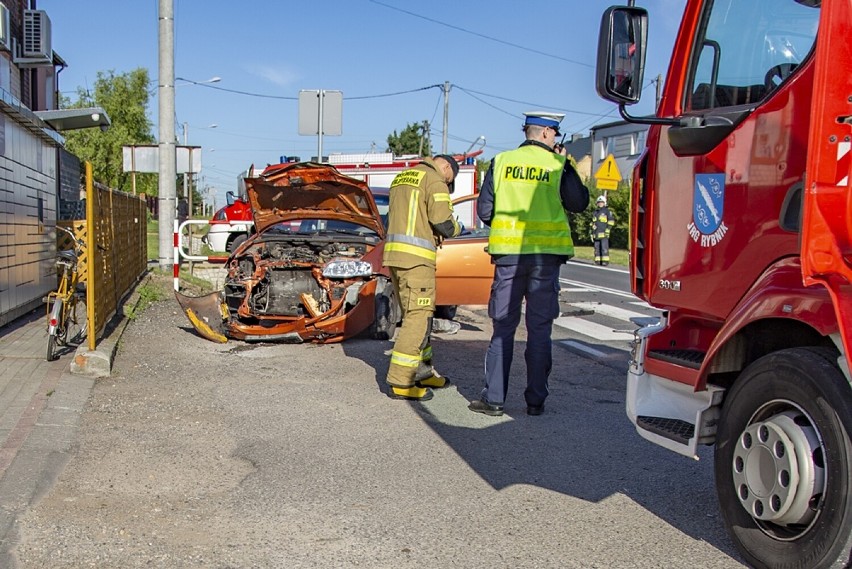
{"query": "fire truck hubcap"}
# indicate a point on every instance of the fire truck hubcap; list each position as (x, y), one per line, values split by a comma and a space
(777, 465)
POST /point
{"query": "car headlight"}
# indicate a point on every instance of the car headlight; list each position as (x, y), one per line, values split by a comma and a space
(346, 269)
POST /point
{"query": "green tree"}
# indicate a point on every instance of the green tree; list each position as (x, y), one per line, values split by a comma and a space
(409, 141)
(125, 99)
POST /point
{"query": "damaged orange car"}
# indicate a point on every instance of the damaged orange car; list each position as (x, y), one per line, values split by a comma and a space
(313, 269)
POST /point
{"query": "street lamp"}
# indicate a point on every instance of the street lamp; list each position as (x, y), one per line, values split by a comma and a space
(214, 79)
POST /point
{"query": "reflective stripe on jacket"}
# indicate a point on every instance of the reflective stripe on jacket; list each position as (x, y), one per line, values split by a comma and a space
(602, 222)
(528, 214)
(419, 199)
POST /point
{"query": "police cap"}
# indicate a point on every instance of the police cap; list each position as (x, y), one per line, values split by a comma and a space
(541, 118)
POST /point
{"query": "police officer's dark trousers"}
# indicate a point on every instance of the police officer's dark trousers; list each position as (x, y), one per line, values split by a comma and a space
(539, 285)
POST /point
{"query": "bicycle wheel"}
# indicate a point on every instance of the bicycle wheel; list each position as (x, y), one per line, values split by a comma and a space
(51, 347)
(77, 322)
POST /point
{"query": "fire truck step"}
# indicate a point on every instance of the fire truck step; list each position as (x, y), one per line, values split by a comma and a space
(687, 358)
(674, 429)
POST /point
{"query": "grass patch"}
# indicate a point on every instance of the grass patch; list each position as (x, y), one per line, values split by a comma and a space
(149, 293)
(153, 234)
(192, 285)
(616, 256)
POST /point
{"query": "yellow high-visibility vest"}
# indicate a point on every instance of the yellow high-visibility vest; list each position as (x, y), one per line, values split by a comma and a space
(528, 213)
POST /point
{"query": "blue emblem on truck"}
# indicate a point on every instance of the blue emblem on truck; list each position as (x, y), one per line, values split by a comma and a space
(708, 201)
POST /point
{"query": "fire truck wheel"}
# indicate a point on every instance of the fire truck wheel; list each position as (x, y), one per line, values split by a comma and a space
(783, 461)
(236, 242)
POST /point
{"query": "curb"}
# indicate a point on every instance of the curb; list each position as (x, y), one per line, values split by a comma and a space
(98, 362)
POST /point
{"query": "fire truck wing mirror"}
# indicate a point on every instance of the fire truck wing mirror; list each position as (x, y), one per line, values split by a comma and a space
(621, 54)
(229, 197)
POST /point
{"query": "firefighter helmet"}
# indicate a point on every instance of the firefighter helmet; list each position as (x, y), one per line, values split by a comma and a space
(601, 199)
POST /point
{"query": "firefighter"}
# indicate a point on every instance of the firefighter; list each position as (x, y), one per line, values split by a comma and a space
(420, 216)
(524, 200)
(602, 223)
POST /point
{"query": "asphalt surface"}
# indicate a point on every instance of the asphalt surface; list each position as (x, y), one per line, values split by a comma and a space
(194, 454)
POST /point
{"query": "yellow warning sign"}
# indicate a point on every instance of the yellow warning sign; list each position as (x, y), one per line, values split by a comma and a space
(608, 175)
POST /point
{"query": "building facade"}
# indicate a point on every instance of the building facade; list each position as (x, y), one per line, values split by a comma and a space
(29, 150)
(624, 140)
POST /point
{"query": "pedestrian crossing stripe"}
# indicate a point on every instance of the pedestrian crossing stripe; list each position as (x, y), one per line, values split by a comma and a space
(608, 310)
(592, 329)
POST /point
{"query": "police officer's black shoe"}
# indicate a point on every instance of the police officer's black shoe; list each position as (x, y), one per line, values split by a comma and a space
(485, 408)
(535, 409)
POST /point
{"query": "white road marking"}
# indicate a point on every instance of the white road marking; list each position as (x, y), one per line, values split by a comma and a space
(643, 304)
(583, 348)
(614, 269)
(591, 329)
(593, 288)
(608, 310)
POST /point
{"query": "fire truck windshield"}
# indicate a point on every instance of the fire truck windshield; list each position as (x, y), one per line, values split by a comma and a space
(727, 72)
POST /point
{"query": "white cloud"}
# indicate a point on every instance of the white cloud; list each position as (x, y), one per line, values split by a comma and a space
(277, 76)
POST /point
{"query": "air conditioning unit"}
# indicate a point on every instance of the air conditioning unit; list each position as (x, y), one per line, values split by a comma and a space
(5, 31)
(37, 36)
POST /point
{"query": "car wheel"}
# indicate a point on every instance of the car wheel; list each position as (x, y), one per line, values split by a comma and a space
(236, 242)
(446, 312)
(387, 313)
(783, 461)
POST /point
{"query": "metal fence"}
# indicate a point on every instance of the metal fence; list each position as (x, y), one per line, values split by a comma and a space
(116, 250)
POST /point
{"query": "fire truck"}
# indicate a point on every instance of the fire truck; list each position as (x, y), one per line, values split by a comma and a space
(231, 224)
(741, 232)
(379, 170)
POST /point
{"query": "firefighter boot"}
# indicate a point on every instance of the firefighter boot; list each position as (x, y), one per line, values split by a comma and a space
(428, 376)
(413, 393)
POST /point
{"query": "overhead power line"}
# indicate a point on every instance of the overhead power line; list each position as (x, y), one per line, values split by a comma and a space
(282, 97)
(483, 36)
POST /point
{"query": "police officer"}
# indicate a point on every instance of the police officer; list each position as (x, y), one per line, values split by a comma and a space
(420, 216)
(602, 223)
(524, 199)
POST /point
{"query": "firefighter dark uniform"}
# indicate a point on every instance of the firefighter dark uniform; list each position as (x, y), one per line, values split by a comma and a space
(602, 223)
(420, 215)
(524, 199)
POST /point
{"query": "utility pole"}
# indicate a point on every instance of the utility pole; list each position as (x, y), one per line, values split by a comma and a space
(446, 116)
(166, 148)
(659, 90)
(423, 136)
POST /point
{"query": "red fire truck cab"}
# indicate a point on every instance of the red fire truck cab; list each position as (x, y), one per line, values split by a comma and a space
(230, 225)
(741, 217)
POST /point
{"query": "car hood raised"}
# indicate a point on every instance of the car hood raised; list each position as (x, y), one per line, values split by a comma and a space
(306, 190)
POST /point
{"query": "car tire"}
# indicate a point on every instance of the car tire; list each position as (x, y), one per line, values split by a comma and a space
(446, 312)
(387, 312)
(234, 243)
(783, 461)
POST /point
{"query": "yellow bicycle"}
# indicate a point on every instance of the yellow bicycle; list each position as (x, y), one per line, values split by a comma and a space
(62, 304)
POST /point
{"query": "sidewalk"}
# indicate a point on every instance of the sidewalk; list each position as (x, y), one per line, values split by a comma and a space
(41, 404)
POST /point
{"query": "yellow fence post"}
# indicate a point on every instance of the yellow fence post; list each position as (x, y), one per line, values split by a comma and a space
(90, 249)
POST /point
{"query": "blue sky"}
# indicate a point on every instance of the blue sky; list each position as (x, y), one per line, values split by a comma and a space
(501, 58)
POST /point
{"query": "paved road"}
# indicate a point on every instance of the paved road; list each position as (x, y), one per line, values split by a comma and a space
(202, 455)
